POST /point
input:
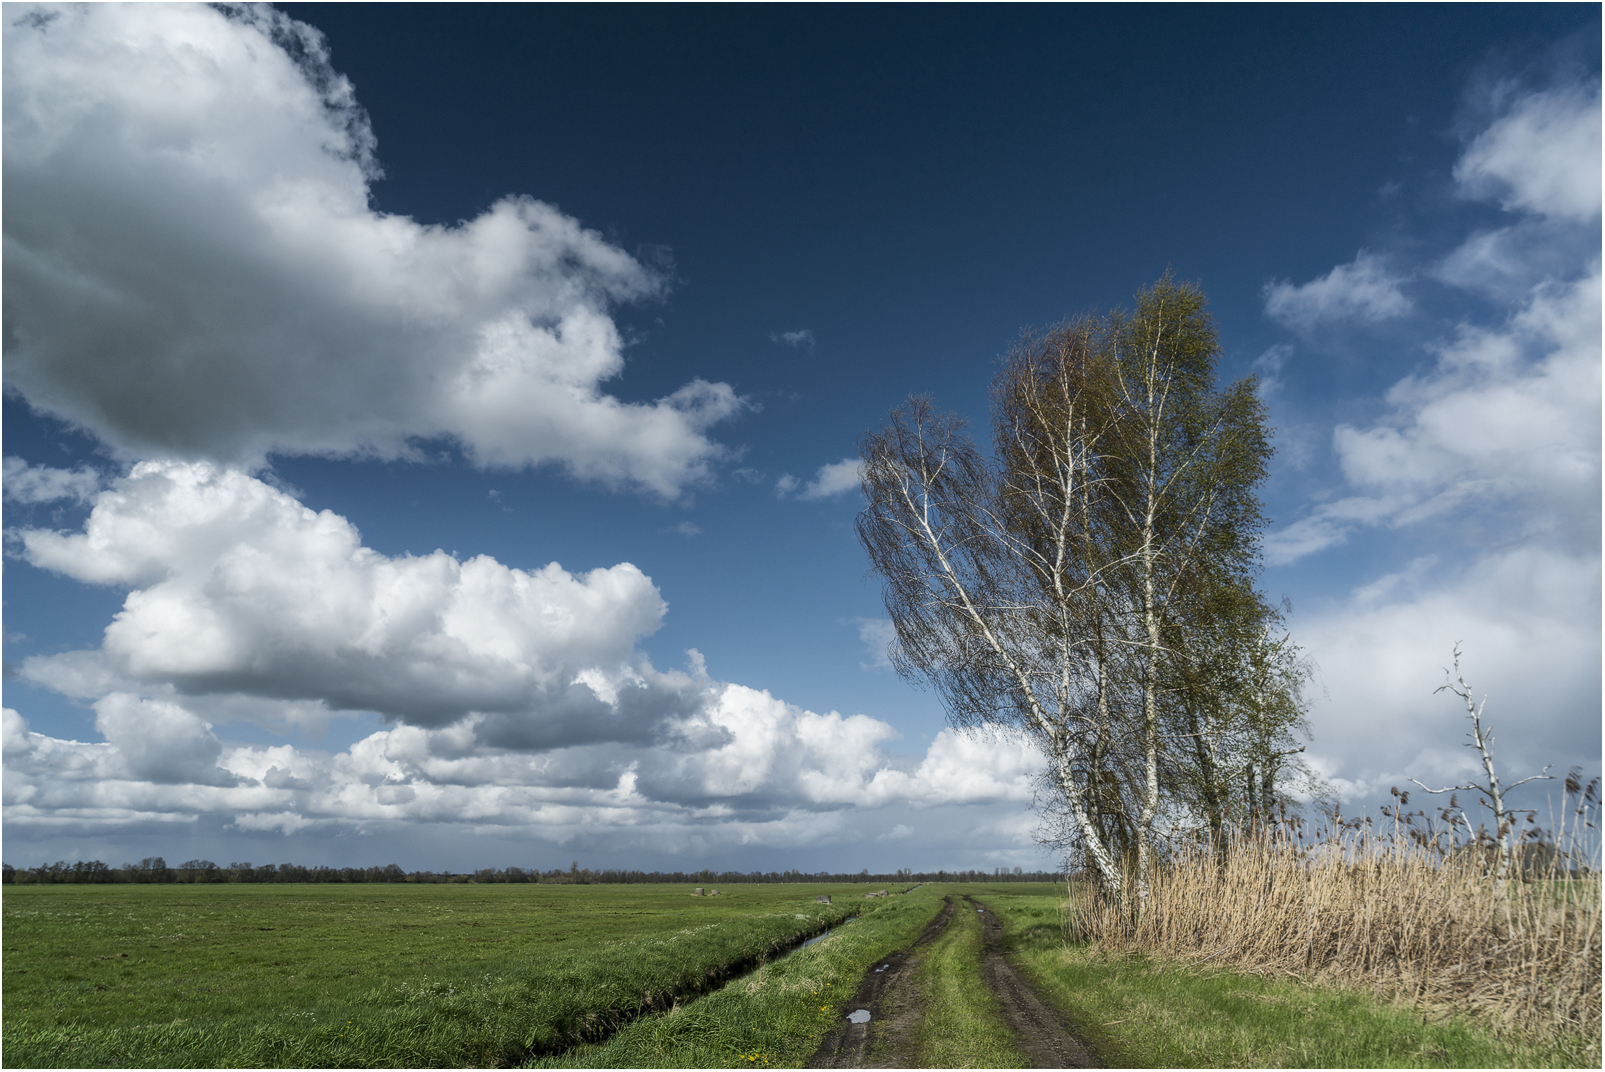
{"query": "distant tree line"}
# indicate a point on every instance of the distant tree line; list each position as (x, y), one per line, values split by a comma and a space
(154, 869)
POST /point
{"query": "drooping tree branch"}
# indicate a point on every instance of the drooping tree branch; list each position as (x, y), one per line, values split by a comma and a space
(1062, 585)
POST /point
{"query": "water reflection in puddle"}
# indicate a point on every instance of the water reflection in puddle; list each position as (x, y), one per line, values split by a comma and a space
(859, 1017)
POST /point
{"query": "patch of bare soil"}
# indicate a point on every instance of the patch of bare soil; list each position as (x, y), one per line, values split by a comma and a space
(1040, 1033)
(892, 998)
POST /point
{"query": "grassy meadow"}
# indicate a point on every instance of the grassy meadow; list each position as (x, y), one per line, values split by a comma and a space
(388, 975)
(649, 976)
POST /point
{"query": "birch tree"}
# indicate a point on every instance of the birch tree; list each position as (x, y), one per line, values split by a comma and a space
(987, 577)
(1482, 739)
(1240, 711)
(1049, 586)
(1184, 464)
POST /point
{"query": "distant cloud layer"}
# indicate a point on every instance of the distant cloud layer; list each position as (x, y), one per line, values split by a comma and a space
(1498, 436)
(748, 768)
(193, 271)
(519, 697)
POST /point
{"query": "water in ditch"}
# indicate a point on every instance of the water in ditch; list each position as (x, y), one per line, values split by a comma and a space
(817, 937)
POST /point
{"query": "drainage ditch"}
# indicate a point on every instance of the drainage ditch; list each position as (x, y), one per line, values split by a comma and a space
(662, 1002)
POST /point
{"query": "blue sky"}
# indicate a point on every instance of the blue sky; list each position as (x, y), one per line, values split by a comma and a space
(395, 397)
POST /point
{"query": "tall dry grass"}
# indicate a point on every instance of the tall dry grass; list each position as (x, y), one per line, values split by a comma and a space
(1405, 912)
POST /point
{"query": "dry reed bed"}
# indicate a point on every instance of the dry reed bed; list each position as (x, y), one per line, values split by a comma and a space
(1388, 915)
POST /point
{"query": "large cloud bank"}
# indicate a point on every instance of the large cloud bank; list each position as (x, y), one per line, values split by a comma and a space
(195, 274)
(193, 269)
(518, 698)
(1489, 452)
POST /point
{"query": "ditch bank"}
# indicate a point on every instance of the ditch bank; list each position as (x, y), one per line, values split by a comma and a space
(598, 1026)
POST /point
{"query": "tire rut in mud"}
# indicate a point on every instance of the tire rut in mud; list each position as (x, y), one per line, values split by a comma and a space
(892, 999)
(890, 1038)
(1039, 1030)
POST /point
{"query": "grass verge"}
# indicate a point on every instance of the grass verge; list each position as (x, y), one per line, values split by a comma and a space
(1141, 1011)
(773, 1017)
(961, 1025)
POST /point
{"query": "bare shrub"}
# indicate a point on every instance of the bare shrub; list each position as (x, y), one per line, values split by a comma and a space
(1409, 912)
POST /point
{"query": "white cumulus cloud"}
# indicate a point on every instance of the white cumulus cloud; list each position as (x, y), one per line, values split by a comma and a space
(40, 483)
(1507, 417)
(1492, 448)
(1509, 412)
(1364, 291)
(1541, 156)
(832, 479)
(160, 741)
(237, 587)
(521, 699)
(193, 269)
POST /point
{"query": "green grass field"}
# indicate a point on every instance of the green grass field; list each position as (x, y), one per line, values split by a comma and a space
(367, 975)
(619, 976)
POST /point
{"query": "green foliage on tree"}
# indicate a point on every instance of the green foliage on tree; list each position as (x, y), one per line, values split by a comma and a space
(1092, 581)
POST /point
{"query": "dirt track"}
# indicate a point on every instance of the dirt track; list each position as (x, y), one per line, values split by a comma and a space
(890, 1039)
(893, 1001)
(1040, 1033)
